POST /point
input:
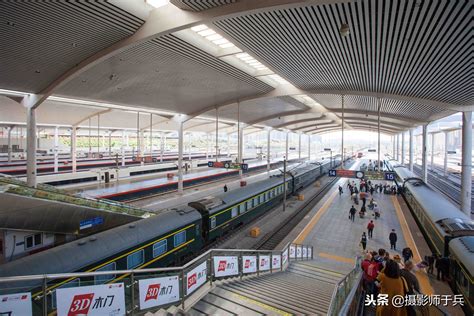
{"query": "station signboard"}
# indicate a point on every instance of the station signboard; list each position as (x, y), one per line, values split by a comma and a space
(249, 264)
(105, 299)
(389, 176)
(227, 165)
(18, 304)
(88, 223)
(158, 291)
(196, 277)
(342, 173)
(264, 264)
(276, 261)
(226, 266)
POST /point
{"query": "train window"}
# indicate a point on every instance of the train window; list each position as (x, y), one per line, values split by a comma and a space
(135, 259)
(160, 248)
(255, 201)
(249, 205)
(234, 211)
(213, 222)
(101, 279)
(179, 238)
(33, 240)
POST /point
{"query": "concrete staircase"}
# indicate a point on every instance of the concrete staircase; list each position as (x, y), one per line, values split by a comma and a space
(304, 288)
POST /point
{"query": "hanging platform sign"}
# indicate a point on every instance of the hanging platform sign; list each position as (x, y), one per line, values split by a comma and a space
(227, 165)
(342, 173)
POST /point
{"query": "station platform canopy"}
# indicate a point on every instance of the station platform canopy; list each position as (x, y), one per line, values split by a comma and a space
(289, 65)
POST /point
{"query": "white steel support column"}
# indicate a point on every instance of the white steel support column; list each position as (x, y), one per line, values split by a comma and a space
(98, 135)
(180, 156)
(299, 146)
(138, 135)
(110, 144)
(189, 148)
(151, 135)
(56, 149)
(394, 154)
(208, 142)
(445, 164)
(403, 148)
(466, 167)
(397, 157)
(10, 128)
(162, 145)
(309, 147)
(342, 135)
(424, 154)
(432, 150)
(411, 150)
(241, 147)
(31, 147)
(74, 148)
(378, 136)
(286, 146)
(217, 134)
(228, 144)
(240, 139)
(123, 148)
(269, 132)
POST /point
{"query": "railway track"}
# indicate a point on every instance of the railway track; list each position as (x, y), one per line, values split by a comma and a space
(451, 190)
(272, 239)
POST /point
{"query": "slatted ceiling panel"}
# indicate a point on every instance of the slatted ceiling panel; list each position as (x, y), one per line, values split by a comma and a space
(411, 48)
(200, 5)
(179, 46)
(410, 109)
(51, 37)
(155, 75)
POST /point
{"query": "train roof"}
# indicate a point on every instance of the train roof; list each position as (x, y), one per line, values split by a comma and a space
(221, 201)
(437, 207)
(80, 253)
(463, 249)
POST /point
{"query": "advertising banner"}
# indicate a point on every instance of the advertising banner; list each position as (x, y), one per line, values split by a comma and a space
(226, 265)
(18, 304)
(284, 256)
(276, 262)
(305, 252)
(196, 277)
(298, 251)
(310, 252)
(264, 263)
(292, 251)
(158, 291)
(249, 264)
(104, 299)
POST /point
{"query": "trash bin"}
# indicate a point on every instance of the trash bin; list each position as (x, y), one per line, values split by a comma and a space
(243, 183)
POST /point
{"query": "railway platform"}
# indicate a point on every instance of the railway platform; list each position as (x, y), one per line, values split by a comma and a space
(130, 189)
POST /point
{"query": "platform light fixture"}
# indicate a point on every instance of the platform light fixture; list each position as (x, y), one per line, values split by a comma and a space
(212, 36)
(252, 62)
(157, 3)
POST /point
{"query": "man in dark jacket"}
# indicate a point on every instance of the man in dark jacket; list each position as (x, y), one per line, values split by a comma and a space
(393, 240)
(407, 254)
(411, 279)
(352, 212)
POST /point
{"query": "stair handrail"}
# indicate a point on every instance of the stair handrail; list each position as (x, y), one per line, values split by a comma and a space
(348, 291)
(38, 284)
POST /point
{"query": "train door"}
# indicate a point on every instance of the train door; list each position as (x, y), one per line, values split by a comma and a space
(107, 177)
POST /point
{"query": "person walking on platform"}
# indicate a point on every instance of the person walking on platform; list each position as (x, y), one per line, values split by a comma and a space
(340, 191)
(363, 241)
(393, 240)
(407, 254)
(370, 229)
(352, 212)
(225, 188)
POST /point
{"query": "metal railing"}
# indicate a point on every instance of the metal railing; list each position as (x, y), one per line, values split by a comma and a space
(15, 186)
(346, 290)
(47, 291)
